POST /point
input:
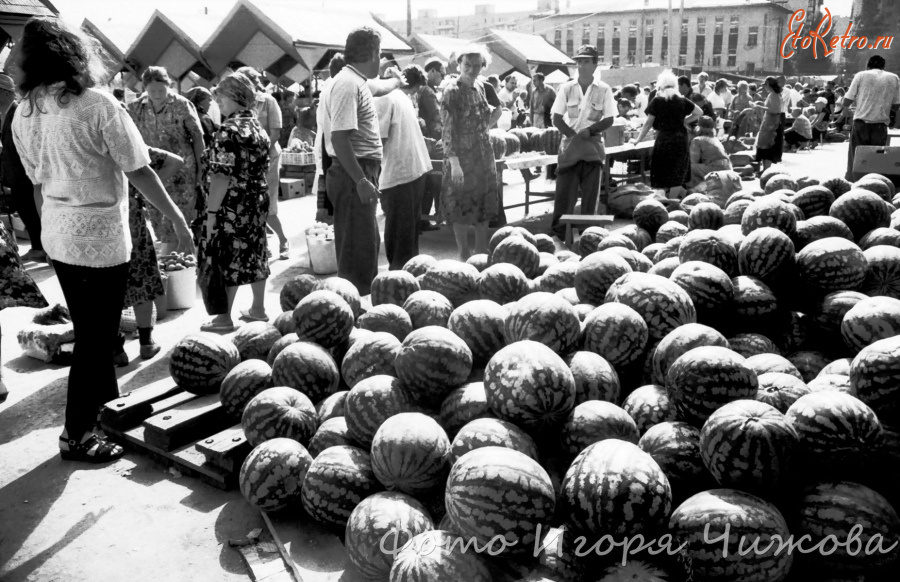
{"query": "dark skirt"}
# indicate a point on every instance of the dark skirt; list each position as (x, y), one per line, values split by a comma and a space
(670, 165)
(773, 154)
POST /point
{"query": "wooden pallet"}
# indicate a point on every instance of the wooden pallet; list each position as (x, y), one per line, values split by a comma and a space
(189, 432)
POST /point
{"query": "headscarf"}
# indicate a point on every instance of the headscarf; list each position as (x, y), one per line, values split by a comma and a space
(238, 88)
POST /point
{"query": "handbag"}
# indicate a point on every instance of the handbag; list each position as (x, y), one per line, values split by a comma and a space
(210, 278)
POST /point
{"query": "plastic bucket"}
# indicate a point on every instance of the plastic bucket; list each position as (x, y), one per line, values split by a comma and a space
(322, 255)
(181, 289)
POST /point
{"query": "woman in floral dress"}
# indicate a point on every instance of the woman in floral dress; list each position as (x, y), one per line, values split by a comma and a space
(469, 192)
(238, 200)
(169, 122)
(17, 288)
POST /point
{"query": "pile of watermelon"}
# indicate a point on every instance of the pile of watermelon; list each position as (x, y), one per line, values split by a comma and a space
(525, 140)
(707, 373)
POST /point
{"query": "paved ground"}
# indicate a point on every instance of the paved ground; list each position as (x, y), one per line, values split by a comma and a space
(131, 520)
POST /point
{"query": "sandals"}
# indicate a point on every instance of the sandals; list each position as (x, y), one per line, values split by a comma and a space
(94, 449)
(149, 350)
(218, 327)
(284, 250)
(245, 314)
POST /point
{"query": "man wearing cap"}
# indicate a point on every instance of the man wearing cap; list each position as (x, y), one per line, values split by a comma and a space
(876, 94)
(584, 108)
(12, 173)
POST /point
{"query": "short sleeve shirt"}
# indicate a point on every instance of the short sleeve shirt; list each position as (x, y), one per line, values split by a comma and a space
(268, 112)
(405, 153)
(350, 107)
(598, 100)
(668, 114)
(874, 91)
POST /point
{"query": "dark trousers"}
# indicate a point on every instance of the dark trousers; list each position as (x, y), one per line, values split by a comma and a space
(402, 206)
(94, 298)
(582, 178)
(431, 194)
(864, 134)
(356, 236)
(23, 198)
(793, 138)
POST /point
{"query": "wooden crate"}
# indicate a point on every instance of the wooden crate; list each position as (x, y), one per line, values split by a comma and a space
(189, 432)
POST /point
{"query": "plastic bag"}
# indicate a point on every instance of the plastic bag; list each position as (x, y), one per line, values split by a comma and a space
(210, 278)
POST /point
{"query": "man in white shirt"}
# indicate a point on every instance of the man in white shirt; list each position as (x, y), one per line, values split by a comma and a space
(876, 94)
(703, 86)
(584, 108)
(405, 165)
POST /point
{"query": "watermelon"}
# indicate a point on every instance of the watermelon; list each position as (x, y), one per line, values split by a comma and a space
(766, 363)
(528, 384)
(649, 405)
(510, 231)
(331, 433)
(710, 289)
(765, 253)
(771, 172)
(890, 189)
(296, 289)
(880, 236)
(331, 406)
(754, 306)
(780, 390)
(679, 216)
(432, 362)
(559, 276)
(242, 383)
(279, 346)
(480, 324)
(650, 215)
(753, 344)
(814, 201)
(410, 453)
(419, 265)
(595, 378)
(734, 212)
(279, 412)
(882, 271)
(323, 317)
(569, 295)
(875, 375)
(371, 402)
(827, 316)
(614, 488)
(780, 182)
(491, 432)
(737, 516)
(749, 445)
(840, 366)
(678, 342)
(428, 308)
(635, 260)
(704, 379)
(463, 405)
(308, 368)
(370, 356)
(675, 446)
(502, 283)
(272, 475)
(452, 279)
(818, 228)
(338, 479)
(640, 237)
(254, 340)
(769, 211)
(869, 320)
(665, 267)
(595, 275)
(808, 362)
(831, 382)
(670, 249)
(594, 421)
(393, 287)
(831, 264)
(651, 250)
(200, 361)
(711, 247)
(545, 318)
(838, 186)
(706, 215)
(862, 211)
(663, 304)
(550, 141)
(387, 317)
(616, 332)
(284, 323)
(692, 200)
(495, 494)
(347, 291)
(438, 555)
(376, 520)
(519, 252)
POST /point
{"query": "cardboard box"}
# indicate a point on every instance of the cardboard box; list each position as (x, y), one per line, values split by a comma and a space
(293, 188)
(883, 160)
(614, 136)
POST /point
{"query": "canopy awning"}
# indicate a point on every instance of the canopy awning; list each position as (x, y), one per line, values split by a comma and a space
(165, 42)
(430, 46)
(526, 52)
(113, 57)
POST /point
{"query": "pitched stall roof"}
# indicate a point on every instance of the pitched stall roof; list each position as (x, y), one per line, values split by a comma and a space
(113, 58)
(172, 40)
(526, 51)
(15, 13)
(443, 47)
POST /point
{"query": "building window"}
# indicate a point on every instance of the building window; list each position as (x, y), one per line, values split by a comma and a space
(615, 60)
(557, 38)
(616, 40)
(700, 46)
(733, 36)
(683, 45)
(632, 42)
(586, 34)
(732, 58)
(570, 40)
(718, 33)
(648, 40)
(717, 60)
(753, 36)
(664, 44)
(601, 39)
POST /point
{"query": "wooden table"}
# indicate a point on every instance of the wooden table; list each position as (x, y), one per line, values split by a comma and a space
(524, 164)
(624, 153)
(892, 133)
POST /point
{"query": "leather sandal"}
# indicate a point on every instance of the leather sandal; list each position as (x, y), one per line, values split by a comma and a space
(94, 449)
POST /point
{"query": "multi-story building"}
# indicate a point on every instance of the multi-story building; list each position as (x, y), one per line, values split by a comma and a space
(726, 36)
(474, 25)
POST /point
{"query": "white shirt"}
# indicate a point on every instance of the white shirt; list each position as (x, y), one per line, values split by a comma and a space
(405, 153)
(78, 153)
(350, 107)
(580, 110)
(715, 100)
(873, 92)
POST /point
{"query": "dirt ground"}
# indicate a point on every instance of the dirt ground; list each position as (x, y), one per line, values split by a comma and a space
(133, 520)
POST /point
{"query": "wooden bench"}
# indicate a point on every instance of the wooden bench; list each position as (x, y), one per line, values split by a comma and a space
(576, 222)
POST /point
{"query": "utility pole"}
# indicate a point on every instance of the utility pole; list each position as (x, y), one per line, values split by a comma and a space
(681, 30)
(408, 18)
(669, 39)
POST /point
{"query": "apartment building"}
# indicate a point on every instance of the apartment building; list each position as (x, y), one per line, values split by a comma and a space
(471, 26)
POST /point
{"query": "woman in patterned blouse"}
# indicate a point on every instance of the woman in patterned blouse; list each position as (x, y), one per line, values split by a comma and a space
(80, 149)
(238, 201)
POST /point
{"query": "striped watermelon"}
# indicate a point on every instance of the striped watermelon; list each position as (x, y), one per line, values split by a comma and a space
(338, 352)
(710, 289)
(669, 250)
(595, 378)
(831, 264)
(869, 320)
(882, 271)
(296, 289)
(665, 267)
(711, 514)
(200, 361)
(813, 201)
(503, 283)
(734, 212)
(279, 412)
(838, 186)
(880, 236)
(242, 383)
(545, 318)
(272, 475)
(452, 279)
(780, 390)
(331, 433)
(780, 182)
(308, 368)
(640, 237)
(323, 317)
(569, 295)
(331, 406)
(480, 261)
(749, 445)
(680, 341)
(828, 315)
(254, 340)
(419, 265)
(765, 253)
(651, 250)
(766, 363)
(650, 215)
(463, 405)
(710, 247)
(649, 405)
(393, 287)
(428, 308)
(480, 324)
(614, 488)
(769, 211)
(528, 384)
(544, 243)
(387, 317)
(883, 188)
(496, 493)
(506, 232)
(595, 275)
(862, 211)
(679, 216)
(875, 375)
(410, 453)
(752, 344)
(519, 252)
(663, 304)
(559, 276)
(438, 555)
(370, 356)
(635, 260)
(284, 323)
(692, 200)
(432, 362)
(491, 432)
(675, 446)
(841, 366)
(754, 306)
(616, 332)
(818, 228)
(832, 509)
(706, 215)
(338, 479)
(594, 421)
(370, 403)
(809, 363)
(832, 382)
(279, 346)
(377, 518)
(704, 379)
(347, 291)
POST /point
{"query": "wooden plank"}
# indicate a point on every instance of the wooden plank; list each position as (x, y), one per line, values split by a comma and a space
(285, 554)
(198, 418)
(226, 449)
(586, 219)
(130, 409)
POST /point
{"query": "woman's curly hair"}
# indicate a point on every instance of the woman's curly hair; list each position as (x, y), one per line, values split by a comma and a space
(414, 75)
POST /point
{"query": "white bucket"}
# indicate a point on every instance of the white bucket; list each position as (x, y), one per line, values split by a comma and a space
(322, 255)
(181, 289)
